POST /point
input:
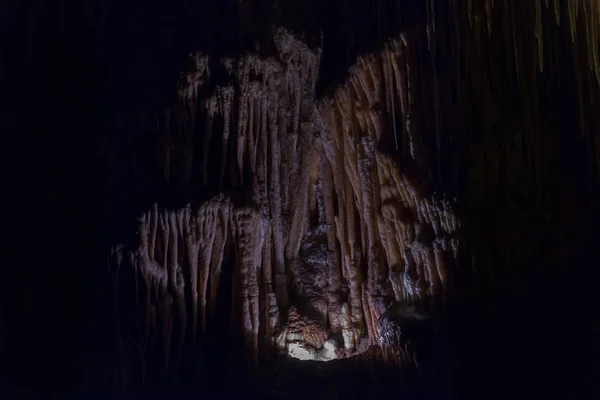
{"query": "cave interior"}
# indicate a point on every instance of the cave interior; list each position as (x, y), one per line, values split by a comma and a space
(301, 199)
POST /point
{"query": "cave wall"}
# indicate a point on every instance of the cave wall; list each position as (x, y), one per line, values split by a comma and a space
(501, 116)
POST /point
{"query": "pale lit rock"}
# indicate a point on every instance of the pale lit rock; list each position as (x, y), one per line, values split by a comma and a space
(318, 213)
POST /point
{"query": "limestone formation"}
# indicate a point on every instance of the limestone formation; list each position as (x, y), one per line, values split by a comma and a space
(327, 209)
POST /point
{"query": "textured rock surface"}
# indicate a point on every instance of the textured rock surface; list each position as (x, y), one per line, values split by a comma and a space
(329, 225)
(328, 208)
(337, 157)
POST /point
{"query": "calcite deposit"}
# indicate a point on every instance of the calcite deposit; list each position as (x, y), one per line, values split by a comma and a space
(327, 209)
(331, 225)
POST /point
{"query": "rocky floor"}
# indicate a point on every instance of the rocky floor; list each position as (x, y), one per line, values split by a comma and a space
(364, 376)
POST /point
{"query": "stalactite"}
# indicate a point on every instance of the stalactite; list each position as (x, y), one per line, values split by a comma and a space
(177, 288)
(335, 271)
(539, 34)
(206, 220)
(270, 311)
(371, 330)
(225, 101)
(193, 249)
(210, 106)
(390, 93)
(347, 331)
(276, 207)
(299, 208)
(218, 253)
(302, 171)
(249, 235)
(488, 15)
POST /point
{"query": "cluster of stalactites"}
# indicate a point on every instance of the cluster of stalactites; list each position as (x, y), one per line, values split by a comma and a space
(528, 19)
(178, 267)
(384, 240)
(262, 104)
(262, 117)
(512, 43)
(407, 239)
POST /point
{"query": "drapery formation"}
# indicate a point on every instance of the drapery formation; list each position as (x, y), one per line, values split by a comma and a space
(325, 210)
(503, 113)
(313, 216)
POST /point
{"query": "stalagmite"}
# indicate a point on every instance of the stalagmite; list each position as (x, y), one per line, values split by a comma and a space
(347, 332)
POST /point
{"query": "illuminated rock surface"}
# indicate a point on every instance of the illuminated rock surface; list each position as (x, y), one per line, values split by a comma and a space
(329, 208)
(331, 181)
